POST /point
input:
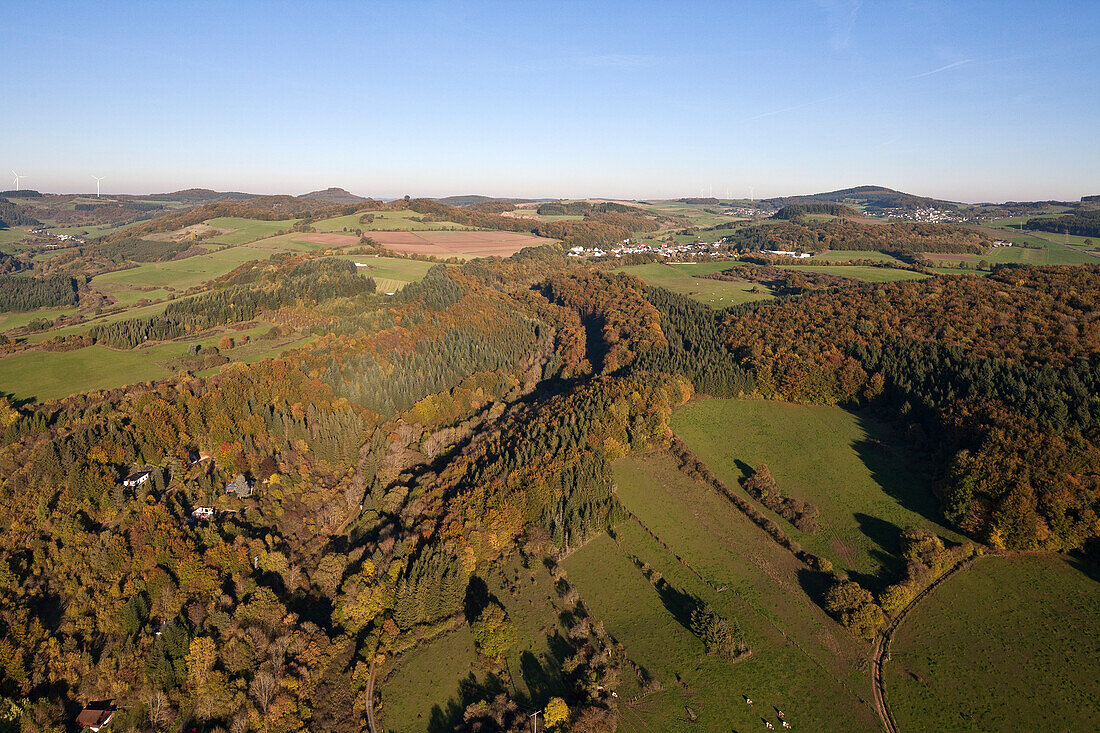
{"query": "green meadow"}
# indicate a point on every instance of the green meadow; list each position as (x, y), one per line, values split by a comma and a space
(383, 221)
(867, 274)
(800, 661)
(866, 482)
(1008, 643)
(47, 375)
(715, 293)
(247, 230)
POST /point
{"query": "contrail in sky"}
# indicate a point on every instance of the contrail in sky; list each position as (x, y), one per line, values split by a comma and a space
(942, 68)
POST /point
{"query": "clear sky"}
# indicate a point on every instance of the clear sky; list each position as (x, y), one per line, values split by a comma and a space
(974, 101)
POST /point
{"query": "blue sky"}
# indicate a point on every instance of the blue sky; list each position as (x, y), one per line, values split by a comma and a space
(969, 101)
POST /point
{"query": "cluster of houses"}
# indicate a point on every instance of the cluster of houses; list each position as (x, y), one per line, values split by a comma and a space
(47, 234)
(242, 487)
(930, 214)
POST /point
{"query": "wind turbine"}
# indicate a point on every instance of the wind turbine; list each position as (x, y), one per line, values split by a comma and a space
(17, 178)
(97, 180)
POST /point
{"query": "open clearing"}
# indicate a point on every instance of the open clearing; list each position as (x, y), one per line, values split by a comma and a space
(1009, 643)
(801, 661)
(464, 244)
(715, 293)
(47, 375)
(460, 677)
(384, 221)
(867, 274)
(240, 231)
(866, 483)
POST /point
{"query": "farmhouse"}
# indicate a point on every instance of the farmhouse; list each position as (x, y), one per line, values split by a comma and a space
(94, 717)
(785, 253)
(137, 478)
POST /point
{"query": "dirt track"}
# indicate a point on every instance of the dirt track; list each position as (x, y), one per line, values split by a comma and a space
(882, 649)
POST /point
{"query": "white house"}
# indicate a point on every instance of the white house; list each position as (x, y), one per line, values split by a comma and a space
(137, 478)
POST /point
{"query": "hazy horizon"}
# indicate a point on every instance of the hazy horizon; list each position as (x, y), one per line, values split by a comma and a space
(988, 102)
(388, 197)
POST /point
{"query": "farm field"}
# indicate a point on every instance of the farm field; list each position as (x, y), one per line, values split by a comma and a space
(715, 293)
(462, 244)
(867, 274)
(389, 273)
(696, 213)
(124, 313)
(1009, 643)
(47, 375)
(16, 319)
(10, 236)
(384, 221)
(411, 704)
(801, 661)
(848, 255)
(178, 274)
(459, 677)
(247, 230)
(867, 485)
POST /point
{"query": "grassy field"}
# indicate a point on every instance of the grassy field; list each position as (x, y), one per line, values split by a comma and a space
(9, 321)
(847, 256)
(715, 293)
(384, 221)
(866, 484)
(867, 274)
(415, 689)
(47, 375)
(451, 662)
(800, 662)
(390, 273)
(177, 274)
(9, 236)
(1006, 644)
(247, 230)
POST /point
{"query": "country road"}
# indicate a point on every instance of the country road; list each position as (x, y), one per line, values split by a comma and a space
(882, 649)
(370, 696)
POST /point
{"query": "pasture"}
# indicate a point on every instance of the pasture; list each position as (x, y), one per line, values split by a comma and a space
(866, 274)
(11, 236)
(801, 661)
(12, 320)
(1009, 643)
(849, 255)
(404, 220)
(462, 244)
(241, 231)
(715, 293)
(862, 477)
(412, 689)
(48, 375)
(459, 677)
(389, 273)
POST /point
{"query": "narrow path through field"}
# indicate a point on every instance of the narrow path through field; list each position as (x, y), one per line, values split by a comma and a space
(882, 649)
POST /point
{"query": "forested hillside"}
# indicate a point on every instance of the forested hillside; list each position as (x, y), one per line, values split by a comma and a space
(377, 472)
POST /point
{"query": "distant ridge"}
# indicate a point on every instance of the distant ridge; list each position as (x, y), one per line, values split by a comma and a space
(871, 198)
(335, 195)
(200, 195)
(468, 199)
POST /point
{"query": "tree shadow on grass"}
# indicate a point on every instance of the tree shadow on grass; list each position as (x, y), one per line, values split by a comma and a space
(678, 603)
(903, 473)
(887, 536)
(447, 718)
